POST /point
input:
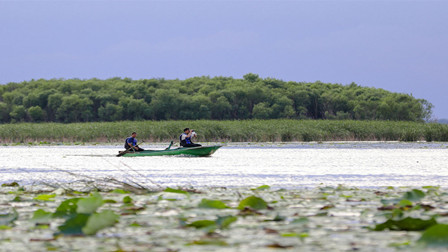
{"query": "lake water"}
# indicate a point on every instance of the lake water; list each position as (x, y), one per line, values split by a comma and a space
(293, 165)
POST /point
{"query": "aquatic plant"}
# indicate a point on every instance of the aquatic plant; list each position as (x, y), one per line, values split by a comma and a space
(219, 131)
(323, 218)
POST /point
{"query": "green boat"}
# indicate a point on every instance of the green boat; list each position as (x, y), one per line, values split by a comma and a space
(202, 151)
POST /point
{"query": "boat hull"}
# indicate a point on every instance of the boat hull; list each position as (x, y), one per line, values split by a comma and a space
(202, 151)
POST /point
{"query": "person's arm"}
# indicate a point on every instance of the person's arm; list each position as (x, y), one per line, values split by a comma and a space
(135, 144)
(191, 133)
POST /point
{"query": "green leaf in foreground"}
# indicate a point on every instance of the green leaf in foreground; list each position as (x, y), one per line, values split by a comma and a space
(89, 205)
(205, 203)
(253, 202)
(263, 187)
(225, 221)
(202, 224)
(109, 201)
(6, 219)
(120, 191)
(301, 236)
(127, 200)
(405, 203)
(208, 242)
(17, 199)
(435, 236)
(67, 208)
(98, 221)
(41, 216)
(222, 222)
(171, 190)
(74, 225)
(13, 184)
(406, 224)
(301, 220)
(414, 195)
(45, 197)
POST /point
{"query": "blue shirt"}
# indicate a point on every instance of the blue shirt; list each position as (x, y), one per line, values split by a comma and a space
(132, 141)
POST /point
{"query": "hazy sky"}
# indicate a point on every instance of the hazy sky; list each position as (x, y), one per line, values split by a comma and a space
(401, 46)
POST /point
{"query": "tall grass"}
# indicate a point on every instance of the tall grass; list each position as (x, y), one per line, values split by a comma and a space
(235, 131)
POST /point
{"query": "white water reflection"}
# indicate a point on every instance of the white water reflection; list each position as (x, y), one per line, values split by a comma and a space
(287, 166)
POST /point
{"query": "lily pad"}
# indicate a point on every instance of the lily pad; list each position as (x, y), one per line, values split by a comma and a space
(41, 216)
(127, 200)
(109, 201)
(202, 224)
(13, 184)
(435, 236)
(301, 220)
(171, 190)
(225, 221)
(74, 225)
(406, 224)
(67, 208)
(414, 195)
(120, 191)
(45, 197)
(253, 202)
(206, 203)
(89, 205)
(405, 203)
(6, 219)
(210, 242)
(263, 187)
(98, 221)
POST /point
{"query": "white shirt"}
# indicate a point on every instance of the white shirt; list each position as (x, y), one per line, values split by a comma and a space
(184, 135)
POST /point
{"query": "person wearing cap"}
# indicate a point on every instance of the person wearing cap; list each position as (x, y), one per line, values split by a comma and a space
(131, 143)
(185, 138)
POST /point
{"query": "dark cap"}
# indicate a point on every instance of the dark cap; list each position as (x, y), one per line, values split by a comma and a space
(186, 129)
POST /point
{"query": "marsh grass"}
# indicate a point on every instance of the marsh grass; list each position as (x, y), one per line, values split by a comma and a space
(225, 131)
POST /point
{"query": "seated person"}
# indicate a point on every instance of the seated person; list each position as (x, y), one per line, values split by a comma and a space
(131, 143)
(185, 138)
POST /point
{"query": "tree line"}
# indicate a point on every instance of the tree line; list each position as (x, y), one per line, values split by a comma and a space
(217, 98)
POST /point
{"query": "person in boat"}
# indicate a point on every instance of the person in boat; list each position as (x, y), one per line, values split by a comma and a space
(131, 143)
(185, 138)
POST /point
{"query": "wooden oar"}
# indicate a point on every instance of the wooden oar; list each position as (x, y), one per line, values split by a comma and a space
(121, 153)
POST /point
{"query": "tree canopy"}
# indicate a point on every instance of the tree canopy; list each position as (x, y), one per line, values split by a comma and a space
(217, 98)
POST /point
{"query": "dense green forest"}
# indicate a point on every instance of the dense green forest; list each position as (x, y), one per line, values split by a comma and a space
(218, 98)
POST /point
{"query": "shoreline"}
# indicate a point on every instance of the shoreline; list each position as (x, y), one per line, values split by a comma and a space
(225, 144)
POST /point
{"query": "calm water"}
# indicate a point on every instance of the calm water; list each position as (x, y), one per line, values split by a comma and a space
(287, 165)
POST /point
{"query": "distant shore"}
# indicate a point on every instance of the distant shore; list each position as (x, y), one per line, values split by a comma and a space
(223, 131)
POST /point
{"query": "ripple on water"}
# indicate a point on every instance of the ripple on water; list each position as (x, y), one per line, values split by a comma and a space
(281, 165)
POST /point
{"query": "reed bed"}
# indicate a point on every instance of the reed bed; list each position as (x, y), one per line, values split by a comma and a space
(225, 131)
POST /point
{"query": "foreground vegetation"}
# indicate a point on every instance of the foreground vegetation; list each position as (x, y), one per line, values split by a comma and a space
(218, 131)
(210, 219)
(219, 98)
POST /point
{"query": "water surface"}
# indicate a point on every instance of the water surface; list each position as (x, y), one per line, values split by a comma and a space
(292, 165)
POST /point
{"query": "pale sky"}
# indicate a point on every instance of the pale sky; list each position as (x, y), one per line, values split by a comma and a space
(401, 46)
